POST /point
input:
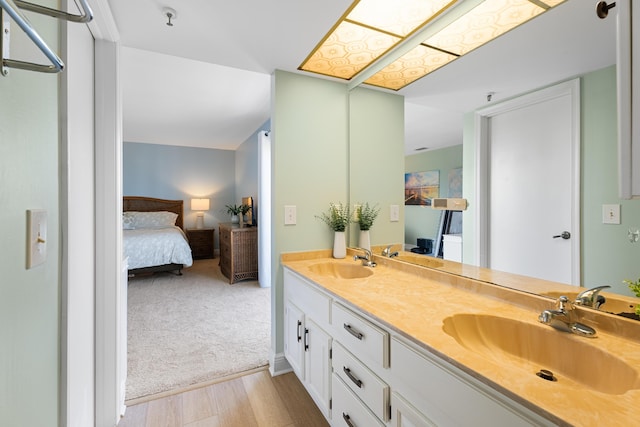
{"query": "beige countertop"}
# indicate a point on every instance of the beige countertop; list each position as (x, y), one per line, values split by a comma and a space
(413, 301)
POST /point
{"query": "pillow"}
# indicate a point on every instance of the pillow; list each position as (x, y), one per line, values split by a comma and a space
(127, 221)
(153, 219)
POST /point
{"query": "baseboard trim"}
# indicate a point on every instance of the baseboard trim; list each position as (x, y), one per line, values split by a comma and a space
(279, 365)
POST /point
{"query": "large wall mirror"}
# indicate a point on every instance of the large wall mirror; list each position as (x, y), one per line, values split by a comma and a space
(549, 51)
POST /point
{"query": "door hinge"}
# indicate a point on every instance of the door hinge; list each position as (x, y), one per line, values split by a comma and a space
(330, 353)
(330, 403)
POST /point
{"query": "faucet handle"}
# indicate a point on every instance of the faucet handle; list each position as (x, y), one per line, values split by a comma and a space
(563, 303)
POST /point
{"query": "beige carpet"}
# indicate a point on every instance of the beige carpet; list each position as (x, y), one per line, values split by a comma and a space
(184, 330)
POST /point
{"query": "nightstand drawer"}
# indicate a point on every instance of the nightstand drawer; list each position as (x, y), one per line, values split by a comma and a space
(201, 242)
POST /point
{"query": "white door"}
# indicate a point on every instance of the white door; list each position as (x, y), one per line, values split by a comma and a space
(533, 185)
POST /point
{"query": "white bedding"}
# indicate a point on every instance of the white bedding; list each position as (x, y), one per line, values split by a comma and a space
(148, 247)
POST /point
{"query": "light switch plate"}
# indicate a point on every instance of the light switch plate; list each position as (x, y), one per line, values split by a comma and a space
(36, 237)
(611, 214)
(394, 213)
(290, 215)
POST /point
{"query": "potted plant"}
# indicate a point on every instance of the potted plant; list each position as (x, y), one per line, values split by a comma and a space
(635, 288)
(365, 216)
(234, 211)
(337, 218)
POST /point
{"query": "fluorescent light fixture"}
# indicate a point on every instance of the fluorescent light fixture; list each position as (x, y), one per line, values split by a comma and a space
(392, 43)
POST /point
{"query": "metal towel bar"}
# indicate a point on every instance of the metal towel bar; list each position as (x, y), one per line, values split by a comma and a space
(11, 9)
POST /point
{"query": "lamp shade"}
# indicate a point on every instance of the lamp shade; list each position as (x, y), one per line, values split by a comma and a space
(199, 204)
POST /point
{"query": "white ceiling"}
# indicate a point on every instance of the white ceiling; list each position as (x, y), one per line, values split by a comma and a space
(205, 82)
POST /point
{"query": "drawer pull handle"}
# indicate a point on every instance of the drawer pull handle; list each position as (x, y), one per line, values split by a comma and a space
(353, 331)
(347, 419)
(306, 334)
(298, 331)
(352, 377)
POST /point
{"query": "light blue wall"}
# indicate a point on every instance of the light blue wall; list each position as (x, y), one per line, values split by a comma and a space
(182, 173)
(247, 168)
(422, 221)
(607, 257)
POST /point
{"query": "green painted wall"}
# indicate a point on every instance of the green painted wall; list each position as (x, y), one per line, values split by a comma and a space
(376, 137)
(607, 256)
(313, 121)
(422, 221)
(29, 299)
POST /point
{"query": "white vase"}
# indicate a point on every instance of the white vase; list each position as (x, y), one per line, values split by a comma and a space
(339, 245)
(365, 240)
(235, 219)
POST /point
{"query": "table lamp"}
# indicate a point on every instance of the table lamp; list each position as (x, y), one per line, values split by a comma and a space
(199, 206)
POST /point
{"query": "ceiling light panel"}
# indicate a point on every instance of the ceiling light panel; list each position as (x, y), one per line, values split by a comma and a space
(483, 23)
(417, 63)
(347, 50)
(384, 31)
(400, 17)
(367, 31)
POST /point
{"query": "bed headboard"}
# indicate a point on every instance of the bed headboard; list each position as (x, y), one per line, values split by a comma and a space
(149, 204)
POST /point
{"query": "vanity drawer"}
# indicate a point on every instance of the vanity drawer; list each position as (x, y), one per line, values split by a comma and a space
(364, 339)
(363, 382)
(347, 410)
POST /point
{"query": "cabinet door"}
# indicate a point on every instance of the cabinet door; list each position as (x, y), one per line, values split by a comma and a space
(317, 372)
(293, 336)
(405, 415)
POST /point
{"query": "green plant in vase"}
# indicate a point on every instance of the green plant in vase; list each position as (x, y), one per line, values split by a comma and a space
(365, 216)
(635, 288)
(337, 218)
(235, 210)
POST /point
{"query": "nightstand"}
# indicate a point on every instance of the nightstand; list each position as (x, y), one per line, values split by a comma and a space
(201, 242)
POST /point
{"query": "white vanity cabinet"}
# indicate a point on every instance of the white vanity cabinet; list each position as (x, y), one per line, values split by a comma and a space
(447, 396)
(361, 373)
(306, 344)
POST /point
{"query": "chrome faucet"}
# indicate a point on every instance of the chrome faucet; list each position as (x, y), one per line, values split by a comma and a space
(564, 318)
(591, 297)
(387, 252)
(366, 259)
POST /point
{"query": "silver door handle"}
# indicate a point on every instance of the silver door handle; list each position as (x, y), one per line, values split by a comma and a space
(565, 235)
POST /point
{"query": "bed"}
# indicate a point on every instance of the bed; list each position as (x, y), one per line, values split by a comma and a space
(153, 236)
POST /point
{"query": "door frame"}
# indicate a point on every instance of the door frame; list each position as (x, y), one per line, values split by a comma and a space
(482, 167)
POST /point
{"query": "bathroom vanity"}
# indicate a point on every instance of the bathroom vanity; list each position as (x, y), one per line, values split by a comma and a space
(405, 345)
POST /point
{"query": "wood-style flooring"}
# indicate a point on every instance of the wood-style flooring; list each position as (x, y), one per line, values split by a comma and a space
(256, 399)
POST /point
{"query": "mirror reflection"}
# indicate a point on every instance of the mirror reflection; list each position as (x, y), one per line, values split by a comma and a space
(604, 253)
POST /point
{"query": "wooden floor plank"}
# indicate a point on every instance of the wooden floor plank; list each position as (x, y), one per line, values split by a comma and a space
(198, 404)
(258, 400)
(165, 412)
(267, 407)
(234, 409)
(299, 404)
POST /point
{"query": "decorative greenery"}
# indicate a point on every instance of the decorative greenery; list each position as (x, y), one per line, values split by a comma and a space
(635, 288)
(365, 215)
(237, 209)
(245, 209)
(338, 217)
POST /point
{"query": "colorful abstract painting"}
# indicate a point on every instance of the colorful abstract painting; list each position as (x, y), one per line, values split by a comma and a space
(421, 187)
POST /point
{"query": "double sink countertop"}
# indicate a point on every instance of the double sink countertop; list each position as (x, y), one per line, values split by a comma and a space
(598, 379)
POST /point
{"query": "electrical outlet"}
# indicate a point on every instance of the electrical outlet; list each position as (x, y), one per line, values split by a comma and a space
(290, 215)
(611, 214)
